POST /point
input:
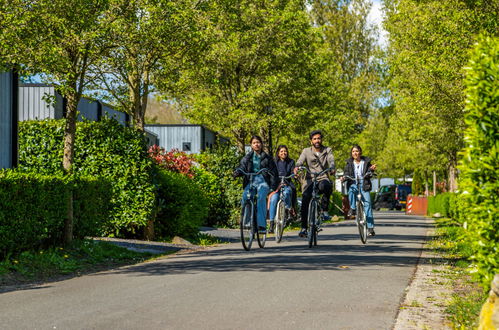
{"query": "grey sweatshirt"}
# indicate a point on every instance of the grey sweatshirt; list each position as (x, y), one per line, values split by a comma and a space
(313, 162)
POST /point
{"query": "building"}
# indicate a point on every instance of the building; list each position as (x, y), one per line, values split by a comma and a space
(41, 101)
(188, 138)
(8, 119)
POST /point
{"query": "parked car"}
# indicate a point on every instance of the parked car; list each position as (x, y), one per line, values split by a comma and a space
(392, 196)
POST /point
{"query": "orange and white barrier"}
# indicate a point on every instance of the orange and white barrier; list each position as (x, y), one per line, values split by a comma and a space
(408, 208)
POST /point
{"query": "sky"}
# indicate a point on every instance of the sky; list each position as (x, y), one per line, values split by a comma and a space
(376, 17)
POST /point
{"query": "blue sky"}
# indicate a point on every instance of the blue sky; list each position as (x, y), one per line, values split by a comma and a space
(376, 17)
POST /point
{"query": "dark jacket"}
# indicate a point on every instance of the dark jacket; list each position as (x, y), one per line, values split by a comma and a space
(265, 162)
(350, 171)
(290, 165)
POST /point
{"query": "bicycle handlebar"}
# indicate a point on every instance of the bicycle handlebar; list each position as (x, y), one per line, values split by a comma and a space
(253, 174)
(316, 174)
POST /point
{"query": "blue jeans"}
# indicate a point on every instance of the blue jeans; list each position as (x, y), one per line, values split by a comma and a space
(366, 198)
(262, 189)
(275, 198)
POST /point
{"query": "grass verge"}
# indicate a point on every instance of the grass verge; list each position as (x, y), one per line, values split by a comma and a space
(468, 295)
(81, 256)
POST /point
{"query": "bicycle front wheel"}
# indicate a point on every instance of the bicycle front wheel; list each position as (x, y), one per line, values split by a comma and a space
(361, 222)
(280, 221)
(312, 228)
(246, 226)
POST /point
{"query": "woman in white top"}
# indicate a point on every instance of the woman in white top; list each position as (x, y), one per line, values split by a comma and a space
(360, 166)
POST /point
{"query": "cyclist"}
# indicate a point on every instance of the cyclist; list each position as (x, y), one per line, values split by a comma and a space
(252, 162)
(318, 158)
(359, 166)
(285, 166)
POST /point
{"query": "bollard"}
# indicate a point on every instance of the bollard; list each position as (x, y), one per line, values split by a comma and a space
(408, 208)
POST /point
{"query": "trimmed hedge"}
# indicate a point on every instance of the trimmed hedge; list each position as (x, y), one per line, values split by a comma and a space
(479, 168)
(440, 204)
(103, 149)
(183, 205)
(33, 208)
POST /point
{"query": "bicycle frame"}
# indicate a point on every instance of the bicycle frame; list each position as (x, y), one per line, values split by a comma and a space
(317, 221)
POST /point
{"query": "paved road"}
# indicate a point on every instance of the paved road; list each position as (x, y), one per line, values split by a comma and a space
(341, 284)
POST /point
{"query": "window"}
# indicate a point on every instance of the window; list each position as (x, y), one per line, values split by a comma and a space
(186, 146)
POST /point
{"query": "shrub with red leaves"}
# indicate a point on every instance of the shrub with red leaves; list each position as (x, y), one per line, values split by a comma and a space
(173, 160)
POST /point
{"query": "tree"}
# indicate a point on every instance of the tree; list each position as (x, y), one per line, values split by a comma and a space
(251, 69)
(49, 38)
(150, 39)
(429, 45)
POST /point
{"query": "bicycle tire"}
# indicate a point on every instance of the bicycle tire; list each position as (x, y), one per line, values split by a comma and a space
(361, 222)
(312, 232)
(260, 237)
(246, 226)
(280, 221)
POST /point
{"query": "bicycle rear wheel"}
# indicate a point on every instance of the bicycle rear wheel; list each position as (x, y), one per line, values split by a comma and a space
(361, 222)
(312, 229)
(246, 226)
(260, 237)
(280, 221)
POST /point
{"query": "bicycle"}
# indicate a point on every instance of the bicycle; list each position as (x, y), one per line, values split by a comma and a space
(248, 224)
(283, 213)
(315, 213)
(360, 217)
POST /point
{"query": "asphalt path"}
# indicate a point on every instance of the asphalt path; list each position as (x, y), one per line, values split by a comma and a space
(340, 284)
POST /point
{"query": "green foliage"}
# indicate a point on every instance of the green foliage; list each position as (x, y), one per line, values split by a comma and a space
(335, 205)
(33, 208)
(440, 204)
(184, 206)
(215, 177)
(103, 149)
(429, 45)
(480, 163)
(417, 183)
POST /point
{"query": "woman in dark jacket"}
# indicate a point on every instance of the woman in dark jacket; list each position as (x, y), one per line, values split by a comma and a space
(360, 166)
(285, 166)
(254, 161)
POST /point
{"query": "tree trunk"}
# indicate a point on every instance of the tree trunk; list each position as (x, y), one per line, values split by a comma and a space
(68, 158)
(434, 183)
(452, 176)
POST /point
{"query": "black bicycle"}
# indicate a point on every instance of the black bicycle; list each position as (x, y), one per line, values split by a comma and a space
(315, 213)
(248, 224)
(282, 212)
(360, 217)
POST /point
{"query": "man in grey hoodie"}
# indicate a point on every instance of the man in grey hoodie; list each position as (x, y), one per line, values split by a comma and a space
(317, 158)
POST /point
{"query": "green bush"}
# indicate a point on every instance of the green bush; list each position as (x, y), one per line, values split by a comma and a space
(103, 149)
(479, 180)
(225, 206)
(33, 208)
(439, 204)
(336, 203)
(183, 205)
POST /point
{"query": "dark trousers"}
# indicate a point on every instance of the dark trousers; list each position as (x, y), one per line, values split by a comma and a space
(325, 188)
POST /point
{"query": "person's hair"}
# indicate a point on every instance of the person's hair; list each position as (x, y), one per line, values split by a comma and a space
(356, 146)
(282, 146)
(256, 137)
(315, 132)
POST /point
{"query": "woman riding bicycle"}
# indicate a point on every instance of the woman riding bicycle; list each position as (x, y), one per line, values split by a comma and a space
(253, 162)
(359, 166)
(285, 166)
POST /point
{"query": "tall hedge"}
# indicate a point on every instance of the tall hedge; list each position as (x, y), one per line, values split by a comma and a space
(479, 168)
(33, 208)
(103, 149)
